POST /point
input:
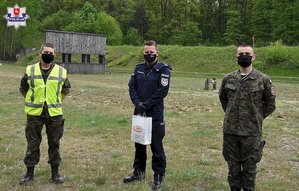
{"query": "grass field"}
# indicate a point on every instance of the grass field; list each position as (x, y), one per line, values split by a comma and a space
(196, 60)
(96, 148)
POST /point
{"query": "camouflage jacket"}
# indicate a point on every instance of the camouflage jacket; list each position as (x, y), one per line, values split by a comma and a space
(246, 102)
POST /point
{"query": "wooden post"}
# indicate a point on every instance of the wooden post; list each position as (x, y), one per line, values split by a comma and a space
(207, 84)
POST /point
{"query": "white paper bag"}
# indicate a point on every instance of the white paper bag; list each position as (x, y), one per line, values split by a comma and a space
(141, 131)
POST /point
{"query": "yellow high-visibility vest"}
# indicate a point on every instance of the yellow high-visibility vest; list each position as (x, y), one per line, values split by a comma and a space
(39, 92)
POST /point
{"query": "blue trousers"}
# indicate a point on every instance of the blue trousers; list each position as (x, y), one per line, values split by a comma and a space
(158, 157)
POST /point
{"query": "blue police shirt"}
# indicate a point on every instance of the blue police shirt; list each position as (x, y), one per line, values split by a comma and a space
(150, 86)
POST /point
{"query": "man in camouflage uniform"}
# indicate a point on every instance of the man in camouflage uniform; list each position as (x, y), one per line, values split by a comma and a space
(247, 97)
(44, 85)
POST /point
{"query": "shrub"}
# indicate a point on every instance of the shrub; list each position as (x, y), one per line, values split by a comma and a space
(279, 55)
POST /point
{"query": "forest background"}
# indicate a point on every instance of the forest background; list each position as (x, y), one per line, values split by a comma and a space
(169, 22)
(198, 39)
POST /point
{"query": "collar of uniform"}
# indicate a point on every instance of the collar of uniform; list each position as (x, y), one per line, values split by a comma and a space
(159, 66)
(252, 75)
(43, 71)
(236, 74)
(151, 65)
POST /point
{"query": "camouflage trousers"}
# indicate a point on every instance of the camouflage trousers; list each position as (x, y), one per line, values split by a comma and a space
(33, 132)
(242, 153)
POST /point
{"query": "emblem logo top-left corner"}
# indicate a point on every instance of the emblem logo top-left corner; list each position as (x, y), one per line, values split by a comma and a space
(16, 16)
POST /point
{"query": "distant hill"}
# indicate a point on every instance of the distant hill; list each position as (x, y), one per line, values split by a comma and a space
(203, 61)
(273, 60)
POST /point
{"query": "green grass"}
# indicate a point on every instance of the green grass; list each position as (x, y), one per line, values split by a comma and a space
(278, 61)
(96, 148)
(205, 61)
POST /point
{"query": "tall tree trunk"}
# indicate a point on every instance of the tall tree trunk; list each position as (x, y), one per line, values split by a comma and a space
(12, 45)
(4, 43)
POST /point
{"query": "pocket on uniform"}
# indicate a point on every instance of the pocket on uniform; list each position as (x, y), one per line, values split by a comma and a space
(231, 86)
(231, 89)
(159, 128)
(258, 153)
(257, 93)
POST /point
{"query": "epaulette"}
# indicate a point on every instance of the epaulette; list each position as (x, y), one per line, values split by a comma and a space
(233, 73)
(161, 65)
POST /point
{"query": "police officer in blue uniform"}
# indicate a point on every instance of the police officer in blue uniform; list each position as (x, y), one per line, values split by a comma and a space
(148, 86)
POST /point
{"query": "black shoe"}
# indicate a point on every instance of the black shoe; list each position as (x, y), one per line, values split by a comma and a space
(57, 179)
(246, 189)
(28, 176)
(134, 177)
(158, 180)
(234, 188)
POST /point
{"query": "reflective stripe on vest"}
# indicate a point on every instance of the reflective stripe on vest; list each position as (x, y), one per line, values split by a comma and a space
(39, 92)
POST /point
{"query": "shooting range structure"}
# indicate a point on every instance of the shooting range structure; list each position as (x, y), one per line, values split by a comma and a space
(68, 43)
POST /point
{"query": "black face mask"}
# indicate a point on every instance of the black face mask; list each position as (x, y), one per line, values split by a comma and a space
(150, 58)
(244, 61)
(47, 58)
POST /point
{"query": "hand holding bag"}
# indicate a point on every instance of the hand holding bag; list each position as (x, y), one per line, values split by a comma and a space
(141, 131)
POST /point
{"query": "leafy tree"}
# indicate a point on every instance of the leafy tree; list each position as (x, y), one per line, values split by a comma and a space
(109, 26)
(190, 36)
(153, 10)
(89, 21)
(122, 11)
(245, 7)
(262, 21)
(286, 25)
(133, 37)
(183, 22)
(140, 20)
(208, 21)
(222, 16)
(31, 35)
(57, 21)
(52, 6)
(232, 33)
(111, 7)
(4, 30)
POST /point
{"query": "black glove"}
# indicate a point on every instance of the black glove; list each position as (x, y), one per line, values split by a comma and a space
(141, 108)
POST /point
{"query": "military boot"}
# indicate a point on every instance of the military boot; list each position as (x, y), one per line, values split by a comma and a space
(158, 180)
(138, 175)
(57, 179)
(234, 188)
(28, 176)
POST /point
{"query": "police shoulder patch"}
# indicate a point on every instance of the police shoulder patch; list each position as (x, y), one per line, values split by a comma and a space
(165, 75)
(164, 81)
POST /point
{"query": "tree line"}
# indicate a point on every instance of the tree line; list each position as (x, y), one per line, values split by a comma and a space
(173, 22)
